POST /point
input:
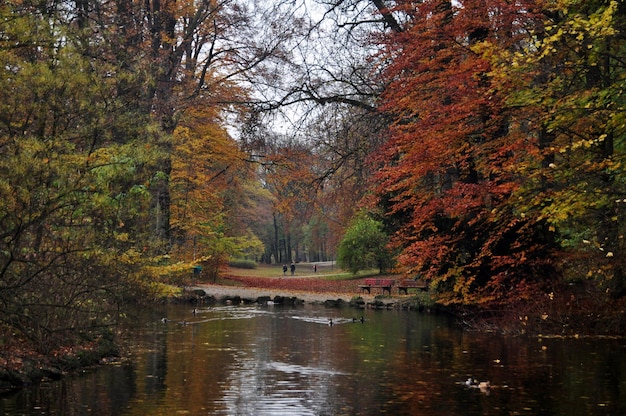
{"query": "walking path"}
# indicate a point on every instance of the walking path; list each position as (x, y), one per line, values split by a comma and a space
(219, 291)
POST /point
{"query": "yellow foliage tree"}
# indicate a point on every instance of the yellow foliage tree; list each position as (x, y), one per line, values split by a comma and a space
(209, 185)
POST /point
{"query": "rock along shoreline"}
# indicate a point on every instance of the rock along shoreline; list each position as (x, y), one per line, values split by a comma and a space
(210, 293)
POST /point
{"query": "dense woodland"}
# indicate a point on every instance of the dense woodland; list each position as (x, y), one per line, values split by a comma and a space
(480, 141)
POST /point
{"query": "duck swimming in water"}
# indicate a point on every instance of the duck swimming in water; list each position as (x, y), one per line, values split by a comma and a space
(484, 386)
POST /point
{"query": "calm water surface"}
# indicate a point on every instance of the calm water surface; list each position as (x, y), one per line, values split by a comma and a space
(249, 360)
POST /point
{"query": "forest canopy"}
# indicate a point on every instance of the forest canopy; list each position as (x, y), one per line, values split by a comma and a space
(141, 138)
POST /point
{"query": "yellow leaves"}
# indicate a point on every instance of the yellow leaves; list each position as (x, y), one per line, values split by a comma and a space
(163, 290)
(122, 237)
(129, 257)
(164, 270)
(202, 155)
(577, 30)
(583, 144)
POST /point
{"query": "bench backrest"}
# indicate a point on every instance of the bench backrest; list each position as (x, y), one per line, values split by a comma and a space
(413, 283)
(379, 282)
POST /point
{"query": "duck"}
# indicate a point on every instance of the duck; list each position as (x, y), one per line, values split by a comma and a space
(484, 386)
(164, 320)
(362, 319)
(195, 311)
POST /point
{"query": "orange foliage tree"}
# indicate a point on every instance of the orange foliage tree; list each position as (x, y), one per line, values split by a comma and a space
(288, 174)
(213, 192)
(448, 171)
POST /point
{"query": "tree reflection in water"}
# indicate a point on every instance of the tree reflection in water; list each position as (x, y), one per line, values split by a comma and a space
(248, 360)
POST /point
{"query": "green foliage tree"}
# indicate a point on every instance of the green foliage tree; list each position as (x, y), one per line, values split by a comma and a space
(569, 83)
(364, 246)
(74, 179)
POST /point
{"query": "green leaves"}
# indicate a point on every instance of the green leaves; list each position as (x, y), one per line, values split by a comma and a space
(73, 181)
(364, 246)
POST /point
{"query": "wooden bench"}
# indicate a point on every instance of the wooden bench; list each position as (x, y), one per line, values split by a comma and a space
(407, 284)
(384, 284)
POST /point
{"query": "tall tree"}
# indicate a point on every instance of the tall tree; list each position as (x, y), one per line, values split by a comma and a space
(73, 198)
(212, 188)
(185, 54)
(445, 175)
(92, 93)
(568, 84)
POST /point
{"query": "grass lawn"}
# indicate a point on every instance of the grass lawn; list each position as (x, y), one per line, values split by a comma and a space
(325, 271)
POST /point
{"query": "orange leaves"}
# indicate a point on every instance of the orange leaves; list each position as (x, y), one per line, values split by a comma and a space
(449, 167)
(207, 169)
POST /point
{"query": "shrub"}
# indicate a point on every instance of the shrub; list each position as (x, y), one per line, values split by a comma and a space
(243, 264)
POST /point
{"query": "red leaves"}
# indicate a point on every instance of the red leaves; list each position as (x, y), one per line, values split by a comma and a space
(299, 283)
(449, 167)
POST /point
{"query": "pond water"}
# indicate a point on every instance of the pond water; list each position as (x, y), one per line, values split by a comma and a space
(252, 360)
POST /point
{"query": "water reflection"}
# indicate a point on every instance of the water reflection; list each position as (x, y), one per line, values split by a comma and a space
(248, 360)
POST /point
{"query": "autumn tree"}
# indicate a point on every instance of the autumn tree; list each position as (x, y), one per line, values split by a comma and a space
(211, 188)
(446, 174)
(73, 189)
(187, 59)
(182, 55)
(566, 89)
(91, 97)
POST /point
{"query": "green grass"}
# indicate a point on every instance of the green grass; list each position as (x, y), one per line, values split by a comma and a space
(302, 270)
(350, 276)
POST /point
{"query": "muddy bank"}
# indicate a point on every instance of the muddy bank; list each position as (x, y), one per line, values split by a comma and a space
(21, 366)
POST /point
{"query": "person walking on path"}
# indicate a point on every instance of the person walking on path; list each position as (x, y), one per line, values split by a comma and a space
(285, 270)
(293, 268)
